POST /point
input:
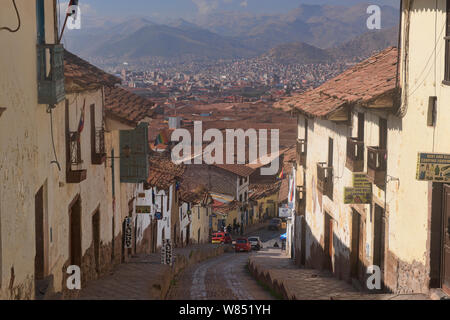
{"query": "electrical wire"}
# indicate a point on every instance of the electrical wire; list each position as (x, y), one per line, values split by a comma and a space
(18, 20)
(50, 111)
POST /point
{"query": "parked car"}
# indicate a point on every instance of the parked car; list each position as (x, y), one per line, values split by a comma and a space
(275, 224)
(228, 239)
(242, 244)
(255, 243)
(218, 238)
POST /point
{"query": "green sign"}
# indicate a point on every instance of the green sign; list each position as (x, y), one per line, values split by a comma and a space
(361, 192)
(433, 167)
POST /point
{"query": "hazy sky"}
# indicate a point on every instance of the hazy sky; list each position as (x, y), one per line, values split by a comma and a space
(189, 8)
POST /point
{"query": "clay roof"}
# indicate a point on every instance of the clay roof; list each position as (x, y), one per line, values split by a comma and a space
(224, 208)
(361, 84)
(126, 106)
(80, 75)
(238, 169)
(259, 191)
(163, 172)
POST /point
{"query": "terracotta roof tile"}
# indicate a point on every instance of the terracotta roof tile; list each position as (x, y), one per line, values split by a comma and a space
(126, 106)
(163, 172)
(361, 84)
(259, 191)
(80, 75)
(238, 169)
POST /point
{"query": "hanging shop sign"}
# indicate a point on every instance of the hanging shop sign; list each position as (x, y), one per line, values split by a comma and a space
(433, 167)
(284, 212)
(166, 252)
(128, 234)
(361, 192)
(143, 209)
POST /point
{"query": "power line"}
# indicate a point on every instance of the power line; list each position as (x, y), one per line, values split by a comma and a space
(18, 20)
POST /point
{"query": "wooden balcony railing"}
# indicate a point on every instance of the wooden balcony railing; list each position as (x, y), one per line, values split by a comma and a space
(301, 152)
(376, 165)
(74, 173)
(355, 155)
(325, 179)
(98, 146)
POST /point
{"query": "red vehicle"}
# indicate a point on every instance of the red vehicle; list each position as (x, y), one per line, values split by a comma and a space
(218, 237)
(242, 244)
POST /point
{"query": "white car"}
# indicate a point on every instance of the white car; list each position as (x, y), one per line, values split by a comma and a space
(255, 243)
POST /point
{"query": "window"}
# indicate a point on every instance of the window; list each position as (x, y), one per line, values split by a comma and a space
(447, 47)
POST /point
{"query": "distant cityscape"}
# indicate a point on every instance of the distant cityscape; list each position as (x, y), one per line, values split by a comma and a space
(240, 80)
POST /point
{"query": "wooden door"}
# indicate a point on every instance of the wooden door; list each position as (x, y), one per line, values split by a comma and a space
(39, 261)
(303, 242)
(379, 242)
(356, 231)
(328, 247)
(96, 239)
(446, 241)
(75, 233)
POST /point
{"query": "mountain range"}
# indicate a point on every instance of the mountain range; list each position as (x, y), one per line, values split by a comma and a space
(314, 32)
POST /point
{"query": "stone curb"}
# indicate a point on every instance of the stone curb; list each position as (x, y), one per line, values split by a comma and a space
(159, 290)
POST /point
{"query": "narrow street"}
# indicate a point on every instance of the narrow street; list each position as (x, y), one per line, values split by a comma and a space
(225, 277)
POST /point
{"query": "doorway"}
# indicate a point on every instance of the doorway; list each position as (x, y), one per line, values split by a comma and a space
(303, 241)
(75, 232)
(446, 240)
(328, 244)
(440, 237)
(188, 234)
(96, 239)
(379, 240)
(357, 246)
(40, 222)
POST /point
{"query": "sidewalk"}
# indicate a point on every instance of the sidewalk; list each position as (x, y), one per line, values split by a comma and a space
(277, 271)
(144, 277)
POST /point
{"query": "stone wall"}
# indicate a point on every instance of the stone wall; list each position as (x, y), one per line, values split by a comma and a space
(402, 277)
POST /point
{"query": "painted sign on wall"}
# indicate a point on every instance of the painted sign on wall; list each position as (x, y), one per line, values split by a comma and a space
(143, 209)
(433, 167)
(361, 192)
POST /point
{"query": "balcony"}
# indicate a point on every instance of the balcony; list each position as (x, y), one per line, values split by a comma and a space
(301, 152)
(376, 165)
(74, 172)
(98, 146)
(50, 74)
(325, 179)
(355, 155)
